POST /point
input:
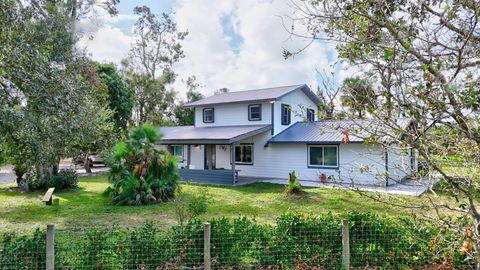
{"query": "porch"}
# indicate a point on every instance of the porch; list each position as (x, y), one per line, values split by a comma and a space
(209, 154)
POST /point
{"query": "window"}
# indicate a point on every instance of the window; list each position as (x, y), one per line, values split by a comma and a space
(323, 156)
(208, 115)
(177, 150)
(286, 111)
(244, 154)
(255, 112)
(311, 115)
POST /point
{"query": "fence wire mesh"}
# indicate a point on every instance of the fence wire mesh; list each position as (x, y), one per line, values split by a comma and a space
(234, 244)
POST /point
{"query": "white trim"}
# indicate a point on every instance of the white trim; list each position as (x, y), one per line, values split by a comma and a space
(323, 156)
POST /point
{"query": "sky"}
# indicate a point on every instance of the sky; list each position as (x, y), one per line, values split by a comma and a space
(235, 44)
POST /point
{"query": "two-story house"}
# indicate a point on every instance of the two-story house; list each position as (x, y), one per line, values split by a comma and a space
(267, 133)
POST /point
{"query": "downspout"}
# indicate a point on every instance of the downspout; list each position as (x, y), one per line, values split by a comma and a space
(272, 105)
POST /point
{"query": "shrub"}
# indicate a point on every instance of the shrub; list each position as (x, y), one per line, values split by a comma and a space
(141, 174)
(190, 207)
(293, 187)
(22, 251)
(65, 179)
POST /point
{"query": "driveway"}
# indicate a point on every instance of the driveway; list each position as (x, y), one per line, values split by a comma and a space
(8, 176)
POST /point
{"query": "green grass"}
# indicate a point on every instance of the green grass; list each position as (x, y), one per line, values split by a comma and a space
(86, 206)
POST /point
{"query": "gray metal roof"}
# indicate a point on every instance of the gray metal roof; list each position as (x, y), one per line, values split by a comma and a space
(330, 131)
(209, 135)
(266, 94)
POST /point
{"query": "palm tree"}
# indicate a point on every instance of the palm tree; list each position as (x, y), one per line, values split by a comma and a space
(358, 95)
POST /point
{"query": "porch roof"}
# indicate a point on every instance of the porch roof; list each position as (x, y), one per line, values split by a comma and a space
(209, 135)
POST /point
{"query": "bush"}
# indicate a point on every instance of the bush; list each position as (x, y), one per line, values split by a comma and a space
(293, 187)
(140, 173)
(190, 207)
(22, 251)
(65, 179)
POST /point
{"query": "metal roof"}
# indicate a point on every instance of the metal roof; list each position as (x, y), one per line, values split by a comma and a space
(209, 135)
(331, 131)
(266, 94)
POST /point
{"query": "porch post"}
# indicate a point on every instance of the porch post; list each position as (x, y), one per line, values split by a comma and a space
(232, 152)
(189, 155)
(208, 148)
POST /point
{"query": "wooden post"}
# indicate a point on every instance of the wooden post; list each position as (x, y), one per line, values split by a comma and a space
(345, 245)
(50, 248)
(207, 260)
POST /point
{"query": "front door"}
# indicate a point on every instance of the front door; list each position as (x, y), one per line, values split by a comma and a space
(210, 157)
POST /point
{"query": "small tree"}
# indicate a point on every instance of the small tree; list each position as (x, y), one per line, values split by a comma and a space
(140, 173)
(358, 95)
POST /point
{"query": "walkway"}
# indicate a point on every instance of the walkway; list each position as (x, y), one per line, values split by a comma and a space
(408, 187)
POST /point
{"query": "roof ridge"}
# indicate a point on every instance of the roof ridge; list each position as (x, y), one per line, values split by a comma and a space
(259, 89)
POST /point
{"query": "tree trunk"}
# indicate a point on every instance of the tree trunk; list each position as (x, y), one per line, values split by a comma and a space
(87, 164)
(19, 178)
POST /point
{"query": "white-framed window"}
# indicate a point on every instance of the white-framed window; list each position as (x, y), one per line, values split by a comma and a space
(177, 150)
(254, 112)
(323, 156)
(244, 154)
(208, 115)
(311, 115)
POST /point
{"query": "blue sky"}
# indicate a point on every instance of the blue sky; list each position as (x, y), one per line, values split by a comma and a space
(231, 43)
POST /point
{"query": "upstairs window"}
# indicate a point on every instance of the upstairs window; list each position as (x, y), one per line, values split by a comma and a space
(311, 115)
(244, 154)
(208, 115)
(286, 114)
(254, 112)
(323, 156)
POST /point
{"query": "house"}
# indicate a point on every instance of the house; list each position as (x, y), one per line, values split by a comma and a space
(267, 133)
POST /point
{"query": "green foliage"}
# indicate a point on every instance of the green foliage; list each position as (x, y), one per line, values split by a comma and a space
(298, 241)
(190, 207)
(293, 187)
(65, 179)
(23, 251)
(120, 97)
(358, 95)
(141, 174)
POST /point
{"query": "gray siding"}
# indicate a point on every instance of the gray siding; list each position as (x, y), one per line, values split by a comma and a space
(219, 177)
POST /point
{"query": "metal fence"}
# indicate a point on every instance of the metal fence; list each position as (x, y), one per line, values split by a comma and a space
(338, 245)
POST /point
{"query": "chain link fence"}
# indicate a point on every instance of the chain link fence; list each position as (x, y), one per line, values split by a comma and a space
(296, 242)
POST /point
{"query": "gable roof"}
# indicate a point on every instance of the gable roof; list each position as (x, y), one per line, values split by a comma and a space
(331, 131)
(265, 94)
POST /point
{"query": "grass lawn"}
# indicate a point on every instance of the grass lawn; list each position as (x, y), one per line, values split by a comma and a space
(86, 206)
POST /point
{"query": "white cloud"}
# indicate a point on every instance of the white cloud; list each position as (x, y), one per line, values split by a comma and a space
(107, 44)
(258, 62)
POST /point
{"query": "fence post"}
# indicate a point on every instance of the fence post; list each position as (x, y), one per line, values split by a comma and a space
(345, 245)
(207, 260)
(50, 248)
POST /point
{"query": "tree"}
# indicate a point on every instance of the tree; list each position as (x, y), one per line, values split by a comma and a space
(157, 47)
(327, 92)
(120, 97)
(140, 173)
(221, 91)
(428, 52)
(45, 101)
(358, 95)
(186, 116)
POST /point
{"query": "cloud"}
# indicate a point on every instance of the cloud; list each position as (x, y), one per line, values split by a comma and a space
(108, 44)
(257, 62)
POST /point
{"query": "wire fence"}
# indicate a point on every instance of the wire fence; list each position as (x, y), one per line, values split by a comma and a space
(229, 244)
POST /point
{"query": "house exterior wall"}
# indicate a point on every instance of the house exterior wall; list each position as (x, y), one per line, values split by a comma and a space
(233, 115)
(298, 102)
(237, 114)
(358, 163)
